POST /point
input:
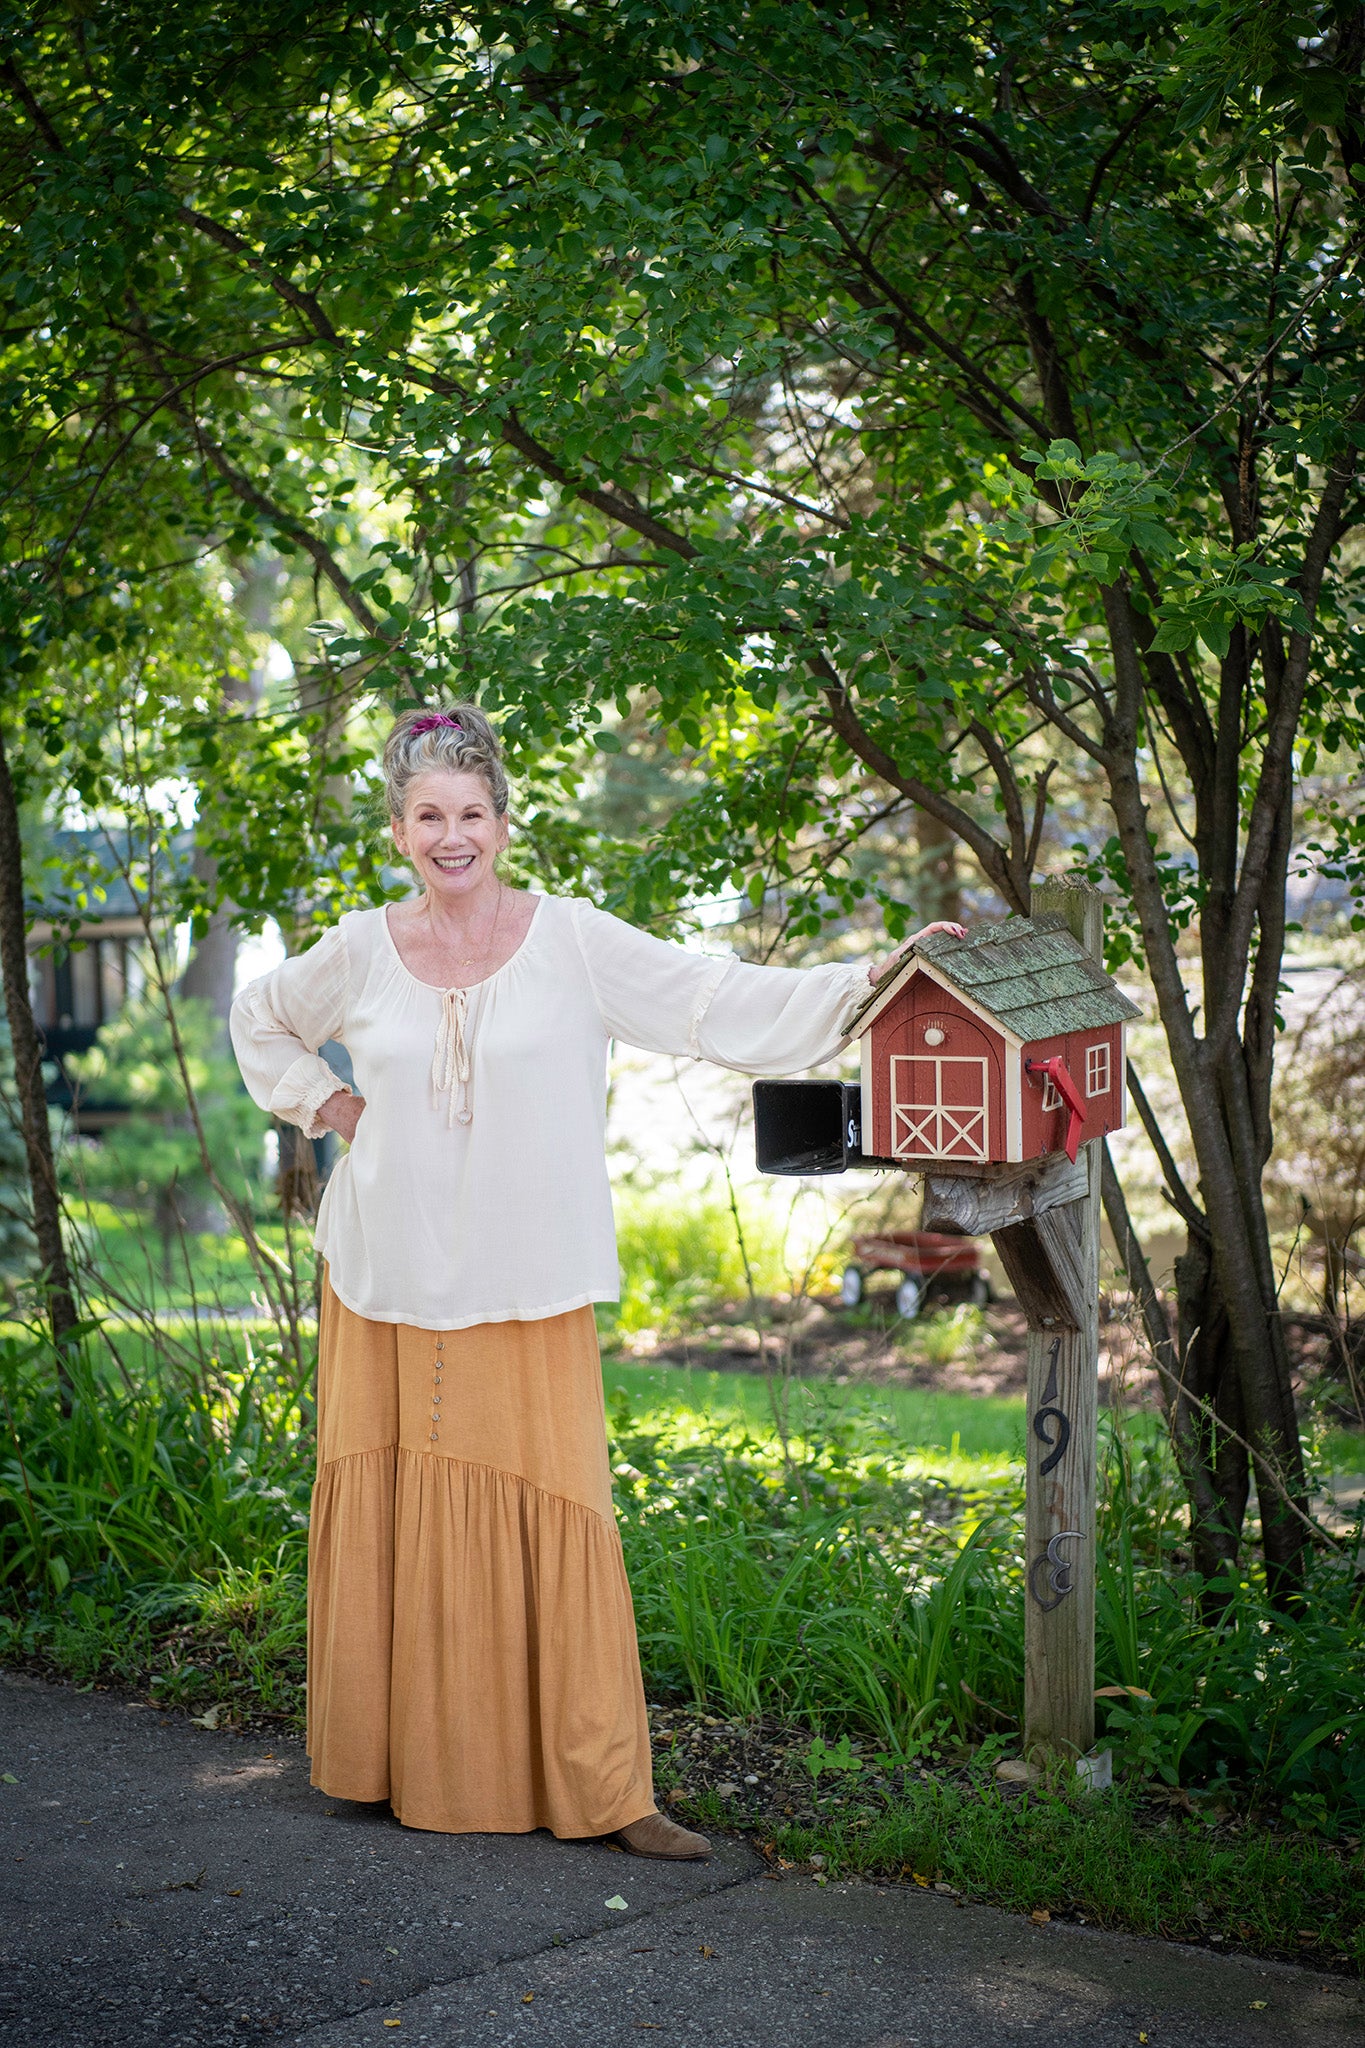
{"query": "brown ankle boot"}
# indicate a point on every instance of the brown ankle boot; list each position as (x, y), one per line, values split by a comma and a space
(655, 1836)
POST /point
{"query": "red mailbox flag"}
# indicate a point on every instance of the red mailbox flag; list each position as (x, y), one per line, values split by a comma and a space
(1070, 1094)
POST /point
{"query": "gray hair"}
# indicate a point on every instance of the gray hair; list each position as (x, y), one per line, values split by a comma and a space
(463, 740)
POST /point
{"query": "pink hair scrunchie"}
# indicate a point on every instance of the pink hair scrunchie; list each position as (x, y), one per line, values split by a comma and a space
(433, 722)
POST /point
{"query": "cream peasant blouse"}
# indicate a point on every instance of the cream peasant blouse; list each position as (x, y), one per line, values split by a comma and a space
(476, 1189)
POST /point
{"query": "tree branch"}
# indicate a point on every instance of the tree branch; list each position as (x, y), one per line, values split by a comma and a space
(302, 302)
(303, 536)
(1273, 783)
(888, 295)
(843, 719)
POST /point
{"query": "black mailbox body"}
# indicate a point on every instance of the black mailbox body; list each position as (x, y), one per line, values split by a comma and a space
(805, 1127)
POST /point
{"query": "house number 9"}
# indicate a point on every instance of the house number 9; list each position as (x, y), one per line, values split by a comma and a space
(1056, 1445)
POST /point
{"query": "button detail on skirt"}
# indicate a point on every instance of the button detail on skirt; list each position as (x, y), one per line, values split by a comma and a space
(436, 1364)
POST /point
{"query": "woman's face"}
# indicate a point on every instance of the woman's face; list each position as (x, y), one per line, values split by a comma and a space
(450, 832)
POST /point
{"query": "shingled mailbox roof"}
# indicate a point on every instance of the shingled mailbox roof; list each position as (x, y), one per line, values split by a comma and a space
(1031, 974)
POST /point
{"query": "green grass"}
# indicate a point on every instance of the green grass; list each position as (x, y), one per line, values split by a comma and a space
(970, 1425)
(1342, 1450)
(1109, 1860)
(123, 1259)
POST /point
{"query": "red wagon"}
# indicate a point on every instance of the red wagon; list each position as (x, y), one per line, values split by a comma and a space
(923, 1258)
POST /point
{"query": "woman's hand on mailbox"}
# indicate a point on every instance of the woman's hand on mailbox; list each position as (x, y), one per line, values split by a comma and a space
(341, 1113)
(882, 967)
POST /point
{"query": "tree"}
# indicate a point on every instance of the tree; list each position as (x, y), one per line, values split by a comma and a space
(16, 1224)
(26, 1052)
(927, 410)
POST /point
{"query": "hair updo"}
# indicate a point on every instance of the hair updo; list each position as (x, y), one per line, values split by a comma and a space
(458, 738)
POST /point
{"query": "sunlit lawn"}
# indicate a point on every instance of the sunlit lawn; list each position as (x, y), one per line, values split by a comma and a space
(964, 1424)
(123, 1261)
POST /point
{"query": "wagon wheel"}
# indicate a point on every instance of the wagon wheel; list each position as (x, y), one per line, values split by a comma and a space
(851, 1286)
(909, 1295)
(981, 1289)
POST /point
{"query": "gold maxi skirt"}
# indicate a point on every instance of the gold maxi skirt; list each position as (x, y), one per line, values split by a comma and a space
(471, 1641)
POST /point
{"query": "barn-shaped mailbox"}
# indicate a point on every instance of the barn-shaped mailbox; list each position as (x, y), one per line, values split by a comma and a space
(1002, 1047)
(1005, 1045)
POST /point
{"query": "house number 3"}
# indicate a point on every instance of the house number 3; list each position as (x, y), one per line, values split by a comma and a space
(1058, 1569)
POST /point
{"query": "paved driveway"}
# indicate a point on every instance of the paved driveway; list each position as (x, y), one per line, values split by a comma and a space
(161, 1884)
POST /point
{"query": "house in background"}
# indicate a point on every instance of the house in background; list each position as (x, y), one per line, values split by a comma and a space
(87, 958)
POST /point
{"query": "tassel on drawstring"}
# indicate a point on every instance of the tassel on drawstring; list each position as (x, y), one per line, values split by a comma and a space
(450, 1062)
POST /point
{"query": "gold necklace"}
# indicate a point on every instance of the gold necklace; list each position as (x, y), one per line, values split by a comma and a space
(472, 959)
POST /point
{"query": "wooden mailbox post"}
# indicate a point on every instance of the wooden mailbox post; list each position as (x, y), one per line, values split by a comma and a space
(994, 1067)
(1046, 1229)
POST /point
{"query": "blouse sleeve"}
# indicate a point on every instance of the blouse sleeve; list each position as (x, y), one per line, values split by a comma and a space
(759, 1020)
(279, 1021)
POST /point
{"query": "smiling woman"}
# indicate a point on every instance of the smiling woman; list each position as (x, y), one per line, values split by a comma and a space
(471, 1650)
(450, 820)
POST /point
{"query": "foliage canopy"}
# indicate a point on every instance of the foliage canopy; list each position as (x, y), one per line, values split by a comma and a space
(953, 408)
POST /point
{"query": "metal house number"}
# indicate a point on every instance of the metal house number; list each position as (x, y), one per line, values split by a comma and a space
(1058, 1568)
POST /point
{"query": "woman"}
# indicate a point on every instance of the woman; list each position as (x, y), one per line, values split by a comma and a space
(471, 1644)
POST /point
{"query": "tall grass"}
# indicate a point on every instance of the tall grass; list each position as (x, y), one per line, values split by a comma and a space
(145, 1481)
(837, 1575)
(846, 1584)
(161, 1523)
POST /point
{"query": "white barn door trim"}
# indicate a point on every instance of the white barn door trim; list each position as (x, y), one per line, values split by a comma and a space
(939, 1129)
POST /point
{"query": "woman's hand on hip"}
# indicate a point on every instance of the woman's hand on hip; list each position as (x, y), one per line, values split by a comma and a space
(882, 967)
(342, 1112)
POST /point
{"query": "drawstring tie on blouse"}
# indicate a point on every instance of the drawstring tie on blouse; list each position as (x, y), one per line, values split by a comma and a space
(450, 1063)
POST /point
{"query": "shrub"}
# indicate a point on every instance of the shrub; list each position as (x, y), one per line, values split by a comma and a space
(678, 1255)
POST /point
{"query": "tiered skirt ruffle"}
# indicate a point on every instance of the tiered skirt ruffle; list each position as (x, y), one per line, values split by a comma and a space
(471, 1642)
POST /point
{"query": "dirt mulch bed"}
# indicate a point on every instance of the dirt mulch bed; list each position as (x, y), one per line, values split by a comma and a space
(872, 1346)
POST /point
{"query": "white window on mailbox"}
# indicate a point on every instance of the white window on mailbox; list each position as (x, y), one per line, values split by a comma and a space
(1097, 1069)
(1051, 1098)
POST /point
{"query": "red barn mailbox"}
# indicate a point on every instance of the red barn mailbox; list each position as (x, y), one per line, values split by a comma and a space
(998, 1048)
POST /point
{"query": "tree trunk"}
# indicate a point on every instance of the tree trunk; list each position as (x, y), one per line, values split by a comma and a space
(211, 971)
(1216, 1506)
(210, 974)
(1243, 1311)
(939, 886)
(298, 1184)
(1244, 1318)
(296, 1181)
(28, 1078)
(1208, 1377)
